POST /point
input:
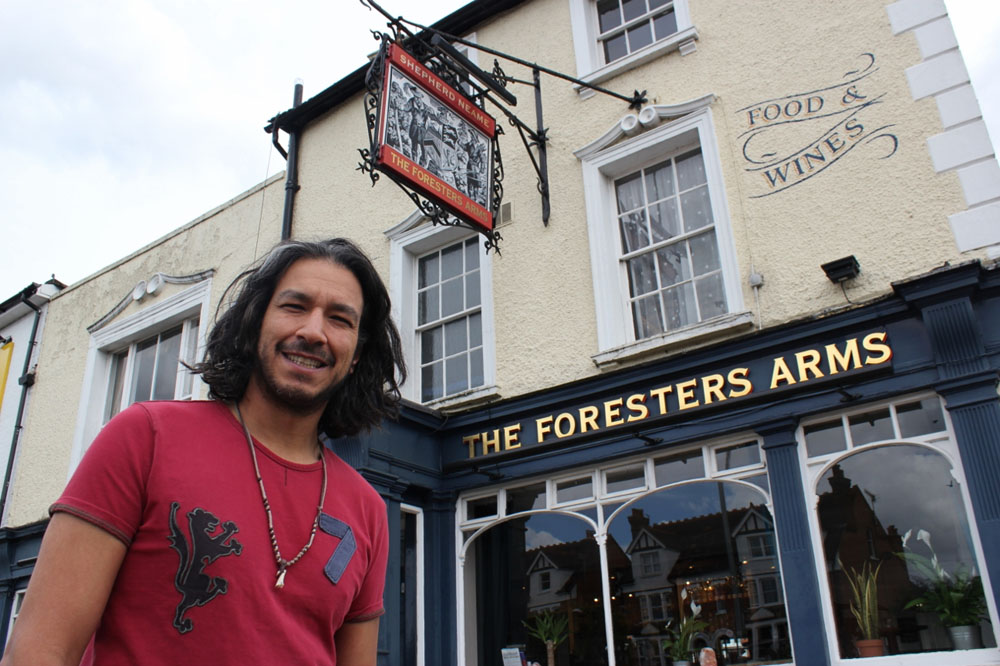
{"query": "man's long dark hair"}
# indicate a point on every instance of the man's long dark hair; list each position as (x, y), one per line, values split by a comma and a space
(367, 395)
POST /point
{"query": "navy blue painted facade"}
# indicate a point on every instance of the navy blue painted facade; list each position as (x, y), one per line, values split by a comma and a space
(944, 337)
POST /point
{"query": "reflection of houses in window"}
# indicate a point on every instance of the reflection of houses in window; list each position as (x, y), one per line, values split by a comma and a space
(560, 574)
(727, 563)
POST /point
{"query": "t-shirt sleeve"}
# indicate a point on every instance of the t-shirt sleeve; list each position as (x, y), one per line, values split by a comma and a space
(108, 488)
(368, 602)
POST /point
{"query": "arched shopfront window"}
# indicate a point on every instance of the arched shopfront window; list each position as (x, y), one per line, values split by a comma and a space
(703, 550)
(889, 499)
(640, 545)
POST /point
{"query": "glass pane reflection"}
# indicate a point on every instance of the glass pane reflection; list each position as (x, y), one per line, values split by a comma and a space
(868, 503)
(528, 566)
(707, 542)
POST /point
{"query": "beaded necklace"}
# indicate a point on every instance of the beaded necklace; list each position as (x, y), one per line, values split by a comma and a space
(283, 564)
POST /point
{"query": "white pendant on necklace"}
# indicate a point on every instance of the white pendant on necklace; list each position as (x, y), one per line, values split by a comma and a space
(280, 583)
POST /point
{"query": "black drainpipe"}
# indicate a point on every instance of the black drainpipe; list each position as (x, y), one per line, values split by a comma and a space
(26, 380)
(291, 171)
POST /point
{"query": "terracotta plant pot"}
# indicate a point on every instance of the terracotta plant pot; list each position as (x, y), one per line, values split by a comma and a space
(872, 647)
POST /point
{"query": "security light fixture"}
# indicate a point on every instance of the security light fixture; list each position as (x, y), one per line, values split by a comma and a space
(842, 269)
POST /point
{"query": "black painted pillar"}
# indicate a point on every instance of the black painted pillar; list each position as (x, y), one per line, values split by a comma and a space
(798, 567)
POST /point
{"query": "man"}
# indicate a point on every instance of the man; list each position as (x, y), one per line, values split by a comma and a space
(191, 532)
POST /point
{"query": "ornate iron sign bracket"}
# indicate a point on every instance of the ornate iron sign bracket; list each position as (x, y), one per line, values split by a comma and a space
(480, 87)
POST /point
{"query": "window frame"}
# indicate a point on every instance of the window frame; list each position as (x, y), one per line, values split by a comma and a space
(590, 65)
(606, 507)
(410, 240)
(942, 442)
(610, 157)
(108, 340)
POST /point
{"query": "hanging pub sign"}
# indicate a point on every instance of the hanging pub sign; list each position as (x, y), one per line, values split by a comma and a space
(434, 140)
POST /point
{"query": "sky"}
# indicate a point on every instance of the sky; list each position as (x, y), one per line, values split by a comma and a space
(121, 120)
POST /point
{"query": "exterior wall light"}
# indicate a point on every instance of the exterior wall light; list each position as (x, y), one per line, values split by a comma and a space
(842, 269)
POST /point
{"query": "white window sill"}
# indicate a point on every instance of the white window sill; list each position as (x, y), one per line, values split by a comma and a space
(465, 399)
(664, 342)
(682, 41)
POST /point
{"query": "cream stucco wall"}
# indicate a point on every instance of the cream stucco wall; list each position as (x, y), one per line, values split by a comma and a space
(226, 239)
(886, 205)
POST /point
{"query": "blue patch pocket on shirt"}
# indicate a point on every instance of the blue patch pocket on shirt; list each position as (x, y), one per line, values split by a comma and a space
(344, 551)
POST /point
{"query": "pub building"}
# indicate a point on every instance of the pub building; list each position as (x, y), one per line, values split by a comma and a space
(710, 359)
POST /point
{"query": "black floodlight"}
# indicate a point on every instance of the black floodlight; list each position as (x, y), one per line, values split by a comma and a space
(842, 269)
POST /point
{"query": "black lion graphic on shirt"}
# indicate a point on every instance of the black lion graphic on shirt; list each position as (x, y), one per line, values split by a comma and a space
(196, 587)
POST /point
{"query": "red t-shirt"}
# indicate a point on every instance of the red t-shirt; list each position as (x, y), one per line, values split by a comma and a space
(174, 481)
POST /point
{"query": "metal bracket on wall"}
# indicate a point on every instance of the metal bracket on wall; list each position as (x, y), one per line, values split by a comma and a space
(442, 54)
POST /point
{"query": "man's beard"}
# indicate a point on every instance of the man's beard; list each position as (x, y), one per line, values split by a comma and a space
(294, 399)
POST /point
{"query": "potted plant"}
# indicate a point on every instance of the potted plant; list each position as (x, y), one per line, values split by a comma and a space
(549, 628)
(678, 645)
(864, 607)
(956, 598)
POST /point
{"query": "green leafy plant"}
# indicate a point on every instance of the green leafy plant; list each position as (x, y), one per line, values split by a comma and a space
(864, 599)
(551, 629)
(957, 598)
(678, 645)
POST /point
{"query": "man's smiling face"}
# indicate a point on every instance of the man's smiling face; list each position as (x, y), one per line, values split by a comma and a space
(309, 334)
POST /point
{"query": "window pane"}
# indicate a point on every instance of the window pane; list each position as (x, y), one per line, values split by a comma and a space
(704, 253)
(472, 291)
(167, 365)
(191, 356)
(484, 507)
(640, 36)
(633, 9)
(920, 418)
(615, 48)
(142, 371)
(574, 489)
(634, 233)
(691, 544)
(525, 567)
(471, 254)
(431, 345)
(619, 480)
(476, 330)
(680, 467)
(696, 209)
(629, 193)
(870, 427)
(741, 455)
(608, 15)
(826, 437)
(117, 384)
(427, 272)
(452, 298)
(432, 381)
(678, 304)
(427, 306)
(663, 220)
(711, 296)
(690, 170)
(641, 274)
(455, 337)
(895, 508)
(647, 318)
(526, 498)
(451, 261)
(674, 264)
(477, 376)
(660, 181)
(664, 25)
(457, 370)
